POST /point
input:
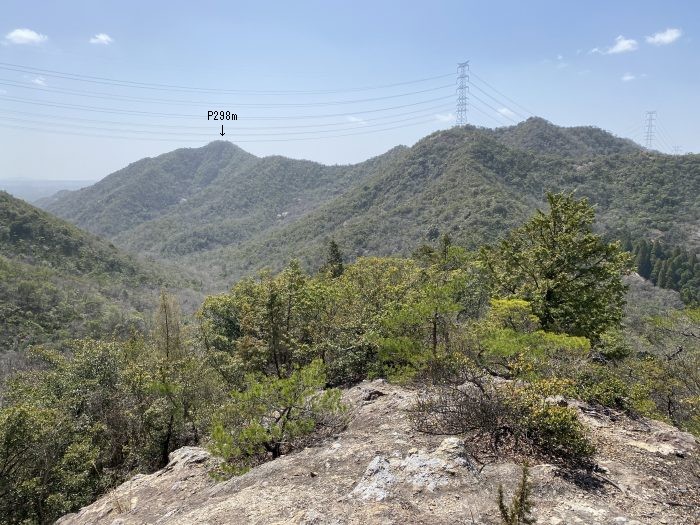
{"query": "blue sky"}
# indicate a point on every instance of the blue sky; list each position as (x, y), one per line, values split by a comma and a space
(87, 87)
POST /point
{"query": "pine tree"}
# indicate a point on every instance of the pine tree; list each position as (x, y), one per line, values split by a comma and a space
(445, 243)
(655, 273)
(663, 273)
(643, 260)
(671, 280)
(626, 240)
(167, 326)
(334, 261)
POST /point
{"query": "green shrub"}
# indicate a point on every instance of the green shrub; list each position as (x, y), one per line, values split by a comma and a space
(556, 431)
(506, 416)
(271, 416)
(347, 366)
(600, 384)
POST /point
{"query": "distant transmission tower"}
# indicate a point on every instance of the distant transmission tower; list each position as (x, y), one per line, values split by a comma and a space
(462, 92)
(649, 135)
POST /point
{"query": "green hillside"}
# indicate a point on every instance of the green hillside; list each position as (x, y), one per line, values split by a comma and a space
(228, 213)
(57, 281)
(145, 189)
(469, 185)
(192, 200)
(539, 136)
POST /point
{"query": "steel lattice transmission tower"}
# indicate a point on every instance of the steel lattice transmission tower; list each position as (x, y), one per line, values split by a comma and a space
(649, 135)
(462, 92)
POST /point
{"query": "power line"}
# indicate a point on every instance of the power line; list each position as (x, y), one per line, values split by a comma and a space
(498, 101)
(54, 131)
(664, 137)
(486, 114)
(171, 87)
(479, 79)
(379, 117)
(494, 109)
(208, 133)
(181, 115)
(417, 114)
(109, 96)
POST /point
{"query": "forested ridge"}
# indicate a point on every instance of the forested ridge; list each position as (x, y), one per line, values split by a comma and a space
(228, 213)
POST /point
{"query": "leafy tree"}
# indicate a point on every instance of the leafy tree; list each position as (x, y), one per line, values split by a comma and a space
(81, 422)
(671, 374)
(569, 275)
(261, 325)
(423, 325)
(273, 324)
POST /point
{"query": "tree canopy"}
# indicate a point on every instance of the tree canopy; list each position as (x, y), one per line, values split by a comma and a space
(572, 278)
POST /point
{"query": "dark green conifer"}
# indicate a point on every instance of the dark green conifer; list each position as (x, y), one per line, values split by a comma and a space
(334, 261)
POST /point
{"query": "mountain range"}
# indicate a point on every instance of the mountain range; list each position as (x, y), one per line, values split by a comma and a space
(225, 213)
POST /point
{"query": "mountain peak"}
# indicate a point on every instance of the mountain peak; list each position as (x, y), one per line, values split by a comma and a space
(538, 135)
(223, 145)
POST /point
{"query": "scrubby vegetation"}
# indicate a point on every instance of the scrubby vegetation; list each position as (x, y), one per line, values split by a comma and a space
(494, 341)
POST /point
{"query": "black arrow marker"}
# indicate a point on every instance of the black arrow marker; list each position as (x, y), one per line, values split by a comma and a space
(222, 130)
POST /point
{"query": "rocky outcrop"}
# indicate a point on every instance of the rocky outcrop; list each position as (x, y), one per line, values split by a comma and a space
(381, 471)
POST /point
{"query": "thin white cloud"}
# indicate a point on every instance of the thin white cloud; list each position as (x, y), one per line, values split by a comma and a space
(628, 77)
(663, 38)
(445, 117)
(3, 92)
(25, 36)
(39, 81)
(506, 112)
(621, 45)
(356, 120)
(102, 38)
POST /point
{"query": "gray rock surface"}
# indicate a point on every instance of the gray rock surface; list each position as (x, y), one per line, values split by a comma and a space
(381, 471)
